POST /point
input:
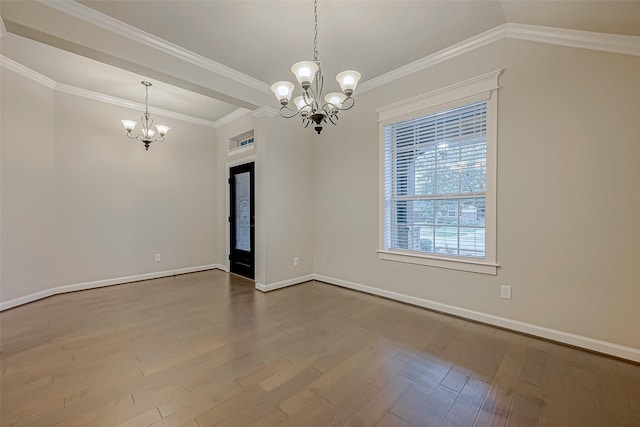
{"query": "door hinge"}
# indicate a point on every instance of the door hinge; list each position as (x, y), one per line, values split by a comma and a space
(229, 180)
(229, 257)
(229, 219)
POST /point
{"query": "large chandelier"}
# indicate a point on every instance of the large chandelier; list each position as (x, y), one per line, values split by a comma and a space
(309, 105)
(146, 135)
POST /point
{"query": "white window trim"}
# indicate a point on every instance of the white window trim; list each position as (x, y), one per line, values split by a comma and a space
(244, 149)
(483, 87)
(236, 140)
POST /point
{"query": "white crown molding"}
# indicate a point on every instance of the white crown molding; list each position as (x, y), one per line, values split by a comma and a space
(27, 72)
(108, 23)
(621, 44)
(457, 49)
(613, 43)
(231, 117)
(96, 96)
(264, 111)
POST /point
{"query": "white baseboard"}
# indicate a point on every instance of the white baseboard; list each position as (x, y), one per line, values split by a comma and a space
(617, 350)
(101, 283)
(283, 284)
(605, 347)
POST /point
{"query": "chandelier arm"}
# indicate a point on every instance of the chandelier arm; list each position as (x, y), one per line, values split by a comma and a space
(312, 97)
(147, 121)
(307, 96)
(330, 112)
(319, 84)
(283, 113)
(350, 105)
(146, 116)
(333, 109)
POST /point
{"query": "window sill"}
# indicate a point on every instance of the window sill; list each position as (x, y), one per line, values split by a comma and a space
(243, 149)
(463, 264)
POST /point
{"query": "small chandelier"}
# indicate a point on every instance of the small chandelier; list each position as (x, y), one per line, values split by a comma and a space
(309, 105)
(146, 135)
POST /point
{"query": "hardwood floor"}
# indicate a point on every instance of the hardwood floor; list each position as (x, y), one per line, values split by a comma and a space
(206, 349)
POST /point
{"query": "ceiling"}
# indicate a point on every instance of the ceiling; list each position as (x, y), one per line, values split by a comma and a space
(247, 45)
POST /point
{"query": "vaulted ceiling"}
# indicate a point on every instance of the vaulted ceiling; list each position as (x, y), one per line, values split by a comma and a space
(207, 58)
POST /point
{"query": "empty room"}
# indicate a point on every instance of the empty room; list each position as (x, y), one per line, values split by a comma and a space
(319, 213)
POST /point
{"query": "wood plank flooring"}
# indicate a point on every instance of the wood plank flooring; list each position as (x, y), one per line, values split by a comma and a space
(206, 349)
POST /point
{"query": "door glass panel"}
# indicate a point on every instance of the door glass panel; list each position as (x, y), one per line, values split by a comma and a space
(243, 212)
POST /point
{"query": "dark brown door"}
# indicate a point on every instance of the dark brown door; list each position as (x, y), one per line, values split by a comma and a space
(242, 220)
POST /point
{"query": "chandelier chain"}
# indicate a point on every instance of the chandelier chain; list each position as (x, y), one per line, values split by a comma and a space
(315, 34)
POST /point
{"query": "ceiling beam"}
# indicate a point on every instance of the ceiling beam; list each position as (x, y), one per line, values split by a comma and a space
(151, 73)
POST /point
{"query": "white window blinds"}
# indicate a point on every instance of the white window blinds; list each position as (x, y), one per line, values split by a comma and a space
(435, 179)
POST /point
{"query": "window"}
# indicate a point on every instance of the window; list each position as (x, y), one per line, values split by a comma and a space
(438, 178)
(246, 141)
(241, 142)
(435, 171)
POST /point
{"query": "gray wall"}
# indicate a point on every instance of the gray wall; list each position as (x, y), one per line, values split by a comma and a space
(82, 203)
(568, 204)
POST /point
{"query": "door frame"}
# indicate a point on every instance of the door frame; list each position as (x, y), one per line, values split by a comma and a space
(227, 191)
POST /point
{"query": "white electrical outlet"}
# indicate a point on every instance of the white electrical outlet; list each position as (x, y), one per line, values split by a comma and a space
(296, 260)
(158, 257)
(505, 291)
